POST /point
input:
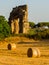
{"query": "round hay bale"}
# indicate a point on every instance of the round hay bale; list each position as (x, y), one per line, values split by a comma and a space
(33, 52)
(11, 46)
(38, 52)
(29, 52)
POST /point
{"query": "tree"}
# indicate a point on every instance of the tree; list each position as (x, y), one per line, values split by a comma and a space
(4, 27)
(31, 24)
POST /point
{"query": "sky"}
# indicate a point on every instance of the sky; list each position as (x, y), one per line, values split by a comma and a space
(38, 10)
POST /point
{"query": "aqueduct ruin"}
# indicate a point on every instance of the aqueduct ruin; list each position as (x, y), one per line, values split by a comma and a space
(18, 19)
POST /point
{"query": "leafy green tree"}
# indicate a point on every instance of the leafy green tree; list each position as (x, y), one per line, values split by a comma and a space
(4, 27)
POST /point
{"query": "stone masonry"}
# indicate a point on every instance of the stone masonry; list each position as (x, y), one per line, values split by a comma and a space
(18, 20)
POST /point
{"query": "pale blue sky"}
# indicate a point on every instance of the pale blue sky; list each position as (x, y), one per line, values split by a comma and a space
(38, 10)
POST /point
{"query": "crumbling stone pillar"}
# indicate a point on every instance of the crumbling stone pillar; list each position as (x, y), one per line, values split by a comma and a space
(12, 26)
(25, 21)
(25, 17)
(25, 27)
(16, 26)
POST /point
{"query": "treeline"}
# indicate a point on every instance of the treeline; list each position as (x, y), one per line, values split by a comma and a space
(43, 24)
(39, 30)
(40, 24)
(38, 34)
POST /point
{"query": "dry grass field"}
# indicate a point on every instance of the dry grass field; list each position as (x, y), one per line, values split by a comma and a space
(19, 55)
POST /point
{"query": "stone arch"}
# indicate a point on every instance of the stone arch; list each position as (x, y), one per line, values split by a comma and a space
(18, 19)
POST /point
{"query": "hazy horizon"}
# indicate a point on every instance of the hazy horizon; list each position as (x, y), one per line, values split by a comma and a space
(38, 10)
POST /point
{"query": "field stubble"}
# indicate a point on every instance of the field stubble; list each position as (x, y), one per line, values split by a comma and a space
(19, 55)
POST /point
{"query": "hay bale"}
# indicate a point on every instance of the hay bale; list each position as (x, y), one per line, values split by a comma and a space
(38, 52)
(11, 46)
(33, 52)
(29, 52)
